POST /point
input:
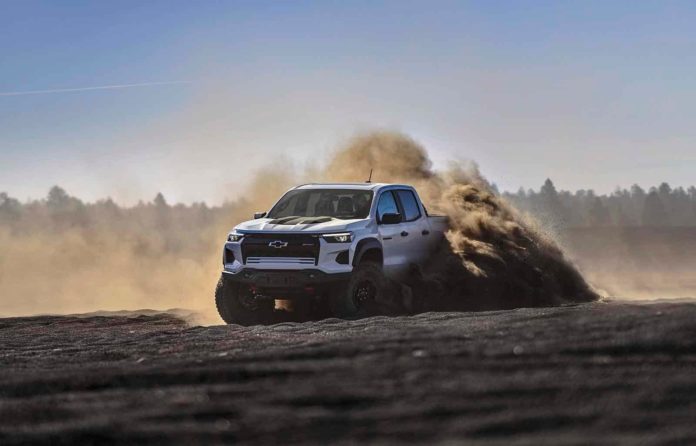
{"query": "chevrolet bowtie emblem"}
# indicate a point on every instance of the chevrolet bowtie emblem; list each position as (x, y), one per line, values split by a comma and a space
(278, 244)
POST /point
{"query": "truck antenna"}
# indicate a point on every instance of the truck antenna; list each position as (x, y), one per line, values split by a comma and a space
(369, 180)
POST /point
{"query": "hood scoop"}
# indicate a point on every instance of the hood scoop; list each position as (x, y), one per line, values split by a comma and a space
(294, 220)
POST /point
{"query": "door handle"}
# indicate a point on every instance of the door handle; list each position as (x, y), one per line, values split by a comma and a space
(404, 233)
(425, 232)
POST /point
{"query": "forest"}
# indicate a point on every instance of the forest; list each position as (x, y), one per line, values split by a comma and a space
(657, 207)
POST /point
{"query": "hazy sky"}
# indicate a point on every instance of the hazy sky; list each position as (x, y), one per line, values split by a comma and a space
(591, 94)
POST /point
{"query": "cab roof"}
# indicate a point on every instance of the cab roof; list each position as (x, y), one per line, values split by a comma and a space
(356, 186)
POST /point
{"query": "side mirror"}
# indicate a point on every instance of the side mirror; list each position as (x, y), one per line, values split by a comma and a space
(390, 219)
(258, 215)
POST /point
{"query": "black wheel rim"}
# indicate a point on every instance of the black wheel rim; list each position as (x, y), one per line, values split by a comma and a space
(364, 292)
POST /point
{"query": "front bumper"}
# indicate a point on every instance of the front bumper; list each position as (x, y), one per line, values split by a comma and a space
(326, 262)
(287, 283)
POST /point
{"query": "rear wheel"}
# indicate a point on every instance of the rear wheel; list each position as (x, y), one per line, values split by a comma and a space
(365, 290)
(238, 304)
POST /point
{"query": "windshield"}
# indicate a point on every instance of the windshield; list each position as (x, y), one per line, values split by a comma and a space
(345, 204)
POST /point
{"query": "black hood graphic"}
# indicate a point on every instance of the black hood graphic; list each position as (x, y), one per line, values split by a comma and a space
(294, 220)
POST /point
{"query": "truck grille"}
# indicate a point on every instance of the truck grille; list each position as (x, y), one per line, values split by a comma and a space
(280, 248)
(262, 260)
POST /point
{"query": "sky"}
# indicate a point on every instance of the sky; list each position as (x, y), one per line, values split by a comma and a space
(202, 94)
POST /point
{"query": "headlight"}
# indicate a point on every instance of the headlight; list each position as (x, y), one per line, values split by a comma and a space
(234, 237)
(344, 237)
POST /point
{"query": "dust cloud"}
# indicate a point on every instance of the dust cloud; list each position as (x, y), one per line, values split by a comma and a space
(494, 257)
(637, 262)
(60, 255)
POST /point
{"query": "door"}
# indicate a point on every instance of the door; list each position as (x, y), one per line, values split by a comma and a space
(394, 248)
(415, 231)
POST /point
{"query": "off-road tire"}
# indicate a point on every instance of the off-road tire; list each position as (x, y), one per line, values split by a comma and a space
(343, 301)
(232, 311)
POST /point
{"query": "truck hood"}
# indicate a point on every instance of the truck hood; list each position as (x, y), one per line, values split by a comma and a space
(308, 225)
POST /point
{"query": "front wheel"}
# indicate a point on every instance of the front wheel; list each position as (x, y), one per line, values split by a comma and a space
(366, 288)
(238, 304)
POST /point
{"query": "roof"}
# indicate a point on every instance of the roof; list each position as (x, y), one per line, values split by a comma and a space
(358, 186)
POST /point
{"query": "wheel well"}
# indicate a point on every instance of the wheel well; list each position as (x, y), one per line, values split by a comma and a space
(372, 255)
(368, 249)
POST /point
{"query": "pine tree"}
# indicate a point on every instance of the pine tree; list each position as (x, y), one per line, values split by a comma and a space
(159, 201)
(654, 210)
(550, 204)
(598, 213)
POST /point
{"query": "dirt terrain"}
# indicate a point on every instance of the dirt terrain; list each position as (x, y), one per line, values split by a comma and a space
(601, 373)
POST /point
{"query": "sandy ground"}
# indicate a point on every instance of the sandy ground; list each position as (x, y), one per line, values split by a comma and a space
(603, 373)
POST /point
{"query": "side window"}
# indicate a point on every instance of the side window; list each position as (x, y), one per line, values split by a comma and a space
(410, 205)
(386, 205)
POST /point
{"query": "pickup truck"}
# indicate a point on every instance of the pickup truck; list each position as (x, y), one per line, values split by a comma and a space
(333, 243)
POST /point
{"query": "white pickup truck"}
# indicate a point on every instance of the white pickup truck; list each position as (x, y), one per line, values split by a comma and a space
(325, 243)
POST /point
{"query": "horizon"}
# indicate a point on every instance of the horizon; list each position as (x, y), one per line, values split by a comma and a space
(229, 200)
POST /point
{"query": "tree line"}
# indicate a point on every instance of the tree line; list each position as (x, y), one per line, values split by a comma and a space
(657, 206)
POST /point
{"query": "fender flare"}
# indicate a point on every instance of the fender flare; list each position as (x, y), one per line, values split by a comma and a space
(363, 246)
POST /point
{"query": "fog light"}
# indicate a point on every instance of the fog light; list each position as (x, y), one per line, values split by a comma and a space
(342, 258)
